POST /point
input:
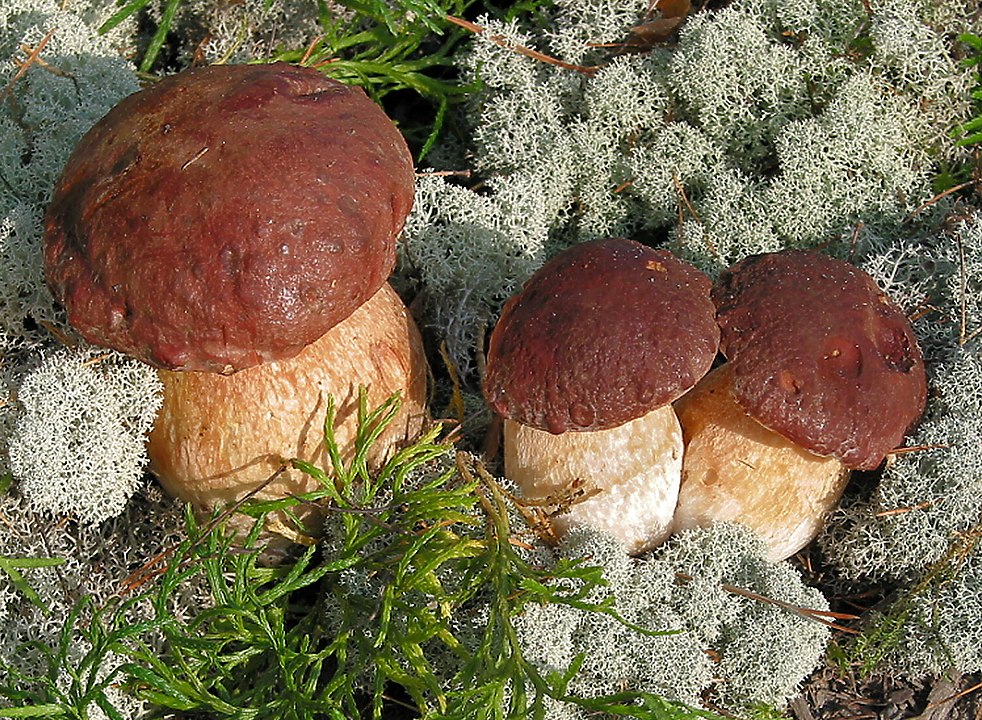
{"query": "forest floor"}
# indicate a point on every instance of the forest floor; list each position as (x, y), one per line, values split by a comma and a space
(829, 696)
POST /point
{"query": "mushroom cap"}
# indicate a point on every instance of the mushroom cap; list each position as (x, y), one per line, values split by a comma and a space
(227, 216)
(820, 354)
(602, 334)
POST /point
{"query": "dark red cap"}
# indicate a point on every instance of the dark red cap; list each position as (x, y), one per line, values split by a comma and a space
(820, 354)
(227, 216)
(604, 333)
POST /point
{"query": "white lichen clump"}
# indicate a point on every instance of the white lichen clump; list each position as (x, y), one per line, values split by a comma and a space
(80, 451)
(943, 633)
(719, 643)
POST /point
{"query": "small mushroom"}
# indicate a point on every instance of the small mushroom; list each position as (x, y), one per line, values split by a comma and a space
(823, 376)
(234, 226)
(583, 365)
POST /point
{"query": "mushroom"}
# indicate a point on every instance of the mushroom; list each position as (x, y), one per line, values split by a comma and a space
(823, 376)
(234, 226)
(583, 365)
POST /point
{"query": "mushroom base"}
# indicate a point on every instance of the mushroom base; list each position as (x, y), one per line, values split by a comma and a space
(636, 466)
(736, 470)
(218, 437)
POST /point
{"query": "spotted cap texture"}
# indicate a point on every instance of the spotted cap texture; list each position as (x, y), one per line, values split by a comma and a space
(227, 216)
(604, 333)
(820, 354)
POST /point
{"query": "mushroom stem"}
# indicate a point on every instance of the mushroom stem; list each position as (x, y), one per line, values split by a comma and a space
(737, 470)
(219, 436)
(635, 466)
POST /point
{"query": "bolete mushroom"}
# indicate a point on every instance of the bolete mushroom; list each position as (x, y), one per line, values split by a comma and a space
(823, 376)
(583, 365)
(234, 226)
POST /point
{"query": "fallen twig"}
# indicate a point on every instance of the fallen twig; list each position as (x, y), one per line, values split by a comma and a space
(521, 49)
(819, 616)
(33, 56)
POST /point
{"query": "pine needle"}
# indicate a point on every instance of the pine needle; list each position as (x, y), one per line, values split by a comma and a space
(521, 49)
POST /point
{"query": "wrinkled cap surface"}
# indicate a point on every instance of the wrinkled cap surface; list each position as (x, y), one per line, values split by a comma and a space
(820, 354)
(227, 216)
(604, 333)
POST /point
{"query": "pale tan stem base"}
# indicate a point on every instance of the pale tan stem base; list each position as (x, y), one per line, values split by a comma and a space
(636, 466)
(737, 470)
(219, 436)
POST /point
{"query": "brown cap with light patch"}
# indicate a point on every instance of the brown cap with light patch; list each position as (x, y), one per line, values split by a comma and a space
(227, 216)
(820, 354)
(604, 333)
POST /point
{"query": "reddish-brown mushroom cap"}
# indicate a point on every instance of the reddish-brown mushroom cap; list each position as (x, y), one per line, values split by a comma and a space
(602, 334)
(820, 354)
(227, 216)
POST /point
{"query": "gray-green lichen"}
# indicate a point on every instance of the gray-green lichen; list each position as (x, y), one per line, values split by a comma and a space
(719, 640)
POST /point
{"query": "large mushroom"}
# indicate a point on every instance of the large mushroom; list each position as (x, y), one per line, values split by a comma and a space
(234, 226)
(583, 365)
(823, 376)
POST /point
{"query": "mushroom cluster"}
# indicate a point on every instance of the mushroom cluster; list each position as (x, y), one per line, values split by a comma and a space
(607, 349)
(235, 226)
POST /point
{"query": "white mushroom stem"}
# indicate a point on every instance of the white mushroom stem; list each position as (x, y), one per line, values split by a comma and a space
(635, 466)
(219, 436)
(736, 470)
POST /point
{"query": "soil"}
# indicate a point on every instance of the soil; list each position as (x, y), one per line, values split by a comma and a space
(828, 695)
